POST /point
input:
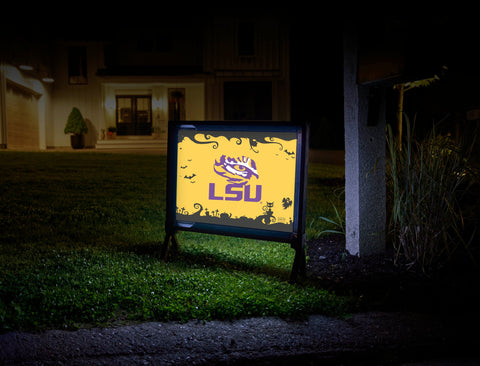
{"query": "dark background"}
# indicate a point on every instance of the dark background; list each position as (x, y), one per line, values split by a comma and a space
(423, 43)
(426, 40)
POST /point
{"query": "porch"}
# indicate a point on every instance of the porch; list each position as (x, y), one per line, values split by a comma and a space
(133, 143)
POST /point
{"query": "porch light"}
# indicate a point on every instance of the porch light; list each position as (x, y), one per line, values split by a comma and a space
(110, 103)
(25, 67)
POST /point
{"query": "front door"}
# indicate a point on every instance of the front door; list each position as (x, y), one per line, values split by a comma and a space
(134, 115)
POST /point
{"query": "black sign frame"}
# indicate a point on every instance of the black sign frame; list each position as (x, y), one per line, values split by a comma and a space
(295, 236)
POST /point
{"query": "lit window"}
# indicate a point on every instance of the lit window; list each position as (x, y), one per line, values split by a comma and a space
(134, 115)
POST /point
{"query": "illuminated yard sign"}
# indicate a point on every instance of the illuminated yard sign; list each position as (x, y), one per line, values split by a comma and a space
(241, 179)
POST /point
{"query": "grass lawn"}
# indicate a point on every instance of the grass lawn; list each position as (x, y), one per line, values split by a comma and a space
(80, 235)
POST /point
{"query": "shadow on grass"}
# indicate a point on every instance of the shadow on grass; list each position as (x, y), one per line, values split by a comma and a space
(154, 249)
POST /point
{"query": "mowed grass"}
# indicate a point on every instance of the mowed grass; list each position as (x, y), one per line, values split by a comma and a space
(80, 237)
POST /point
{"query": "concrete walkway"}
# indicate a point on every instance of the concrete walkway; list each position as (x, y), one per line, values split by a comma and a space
(374, 338)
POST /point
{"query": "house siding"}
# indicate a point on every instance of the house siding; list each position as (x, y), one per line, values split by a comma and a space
(87, 98)
(202, 60)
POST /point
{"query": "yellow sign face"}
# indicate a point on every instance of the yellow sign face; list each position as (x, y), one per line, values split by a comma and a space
(237, 178)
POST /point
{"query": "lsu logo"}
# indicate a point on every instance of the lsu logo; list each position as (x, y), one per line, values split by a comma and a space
(238, 172)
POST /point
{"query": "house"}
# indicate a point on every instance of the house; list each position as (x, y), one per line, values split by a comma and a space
(224, 66)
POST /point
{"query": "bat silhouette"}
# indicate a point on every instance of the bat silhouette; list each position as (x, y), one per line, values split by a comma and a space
(191, 176)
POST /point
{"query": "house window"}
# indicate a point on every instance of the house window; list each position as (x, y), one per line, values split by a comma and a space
(176, 104)
(247, 101)
(134, 115)
(77, 65)
(246, 39)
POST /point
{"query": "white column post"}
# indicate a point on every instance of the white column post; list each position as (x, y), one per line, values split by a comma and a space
(365, 197)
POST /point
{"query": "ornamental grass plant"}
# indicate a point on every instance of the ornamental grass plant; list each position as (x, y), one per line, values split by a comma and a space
(426, 181)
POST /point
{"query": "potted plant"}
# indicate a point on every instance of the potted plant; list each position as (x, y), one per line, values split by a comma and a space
(112, 132)
(77, 127)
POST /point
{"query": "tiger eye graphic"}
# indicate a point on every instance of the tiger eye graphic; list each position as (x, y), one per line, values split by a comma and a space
(236, 170)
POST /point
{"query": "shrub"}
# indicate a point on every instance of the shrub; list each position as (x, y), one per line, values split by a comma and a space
(75, 123)
(425, 182)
